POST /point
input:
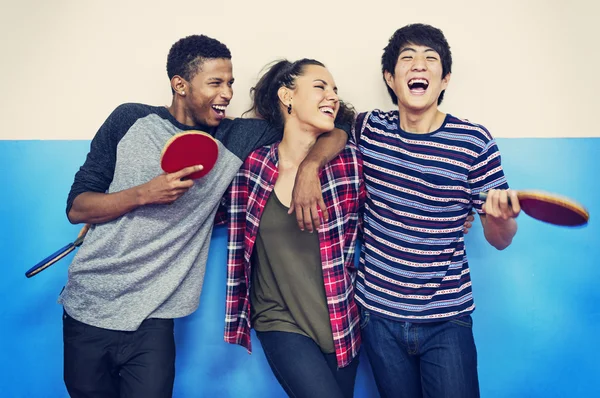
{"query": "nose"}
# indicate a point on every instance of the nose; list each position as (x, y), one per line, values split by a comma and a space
(227, 93)
(332, 96)
(419, 63)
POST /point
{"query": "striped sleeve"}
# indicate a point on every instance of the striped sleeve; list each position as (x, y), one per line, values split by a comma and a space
(486, 173)
(357, 128)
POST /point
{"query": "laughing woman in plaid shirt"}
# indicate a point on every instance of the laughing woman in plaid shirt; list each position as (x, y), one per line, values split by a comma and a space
(295, 287)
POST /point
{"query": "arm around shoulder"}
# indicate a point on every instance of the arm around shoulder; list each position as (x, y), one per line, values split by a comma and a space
(327, 147)
(307, 195)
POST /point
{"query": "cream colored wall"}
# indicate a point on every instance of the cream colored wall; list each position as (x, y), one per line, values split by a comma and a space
(522, 68)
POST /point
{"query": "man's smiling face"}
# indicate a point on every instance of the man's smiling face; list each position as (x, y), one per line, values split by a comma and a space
(417, 80)
(209, 92)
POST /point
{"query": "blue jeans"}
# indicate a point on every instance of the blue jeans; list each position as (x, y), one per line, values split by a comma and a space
(413, 360)
(303, 370)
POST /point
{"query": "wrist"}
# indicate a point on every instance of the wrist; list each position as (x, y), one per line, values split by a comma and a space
(311, 165)
(499, 221)
(139, 196)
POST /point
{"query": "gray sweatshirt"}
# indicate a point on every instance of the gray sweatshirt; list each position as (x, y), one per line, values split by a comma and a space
(150, 262)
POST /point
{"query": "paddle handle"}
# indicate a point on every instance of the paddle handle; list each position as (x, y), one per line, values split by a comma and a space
(483, 197)
(81, 235)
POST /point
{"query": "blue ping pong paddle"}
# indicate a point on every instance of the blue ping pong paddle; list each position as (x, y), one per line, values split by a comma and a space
(59, 254)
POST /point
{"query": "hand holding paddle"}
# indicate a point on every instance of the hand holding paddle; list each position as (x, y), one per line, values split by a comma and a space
(167, 188)
(543, 206)
(501, 203)
(189, 149)
(185, 157)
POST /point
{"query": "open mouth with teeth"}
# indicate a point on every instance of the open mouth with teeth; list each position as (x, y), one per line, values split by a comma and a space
(418, 85)
(220, 109)
(327, 110)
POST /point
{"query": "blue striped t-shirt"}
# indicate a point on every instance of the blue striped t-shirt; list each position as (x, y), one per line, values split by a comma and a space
(420, 189)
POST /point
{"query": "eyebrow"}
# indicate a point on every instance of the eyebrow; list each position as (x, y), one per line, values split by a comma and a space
(218, 79)
(325, 83)
(413, 50)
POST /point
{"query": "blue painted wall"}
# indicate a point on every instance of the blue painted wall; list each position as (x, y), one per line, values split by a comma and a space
(537, 322)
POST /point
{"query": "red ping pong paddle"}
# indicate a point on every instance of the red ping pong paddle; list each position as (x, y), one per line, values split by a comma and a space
(550, 208)
(187, 149)
(59, 254)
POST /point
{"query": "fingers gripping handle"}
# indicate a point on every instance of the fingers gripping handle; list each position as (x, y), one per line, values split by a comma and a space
(483, 197)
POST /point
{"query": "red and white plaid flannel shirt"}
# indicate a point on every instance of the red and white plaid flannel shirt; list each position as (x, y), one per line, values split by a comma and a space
(343, 194)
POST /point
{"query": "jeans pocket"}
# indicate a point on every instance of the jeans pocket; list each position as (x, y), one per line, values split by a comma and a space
(72, 328)
(365, 315)
(464, 321)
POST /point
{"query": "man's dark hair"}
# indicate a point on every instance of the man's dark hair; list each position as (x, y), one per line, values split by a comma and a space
(188, 54)
(418, 35)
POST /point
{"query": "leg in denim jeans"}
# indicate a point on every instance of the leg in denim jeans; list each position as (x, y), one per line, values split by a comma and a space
(449, 359)
(303, 370)
(431, 360)
(395, 364)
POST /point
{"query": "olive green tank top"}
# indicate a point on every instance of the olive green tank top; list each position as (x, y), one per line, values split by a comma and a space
(287, 290)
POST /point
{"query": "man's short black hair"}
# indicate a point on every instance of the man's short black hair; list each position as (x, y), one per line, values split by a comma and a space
(418, 35)
(187, 55)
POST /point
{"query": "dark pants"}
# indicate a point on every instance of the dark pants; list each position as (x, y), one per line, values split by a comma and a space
(101, 363)
(413, 360)
(303, 370)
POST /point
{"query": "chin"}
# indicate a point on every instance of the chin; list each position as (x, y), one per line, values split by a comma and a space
(414, 105)
(421, 103)
(212, 123)
(326, 127)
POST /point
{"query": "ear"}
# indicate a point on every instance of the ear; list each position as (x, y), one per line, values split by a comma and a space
(446, 81)
(285, 95)
(389, 79)
(179, 85)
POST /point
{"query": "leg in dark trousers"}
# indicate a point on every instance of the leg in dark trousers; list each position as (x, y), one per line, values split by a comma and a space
(303, 370)
(101, 363)
(148, 360)
(89, 367)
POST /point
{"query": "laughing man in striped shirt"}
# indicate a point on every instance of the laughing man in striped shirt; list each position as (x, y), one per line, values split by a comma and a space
(423, 172)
